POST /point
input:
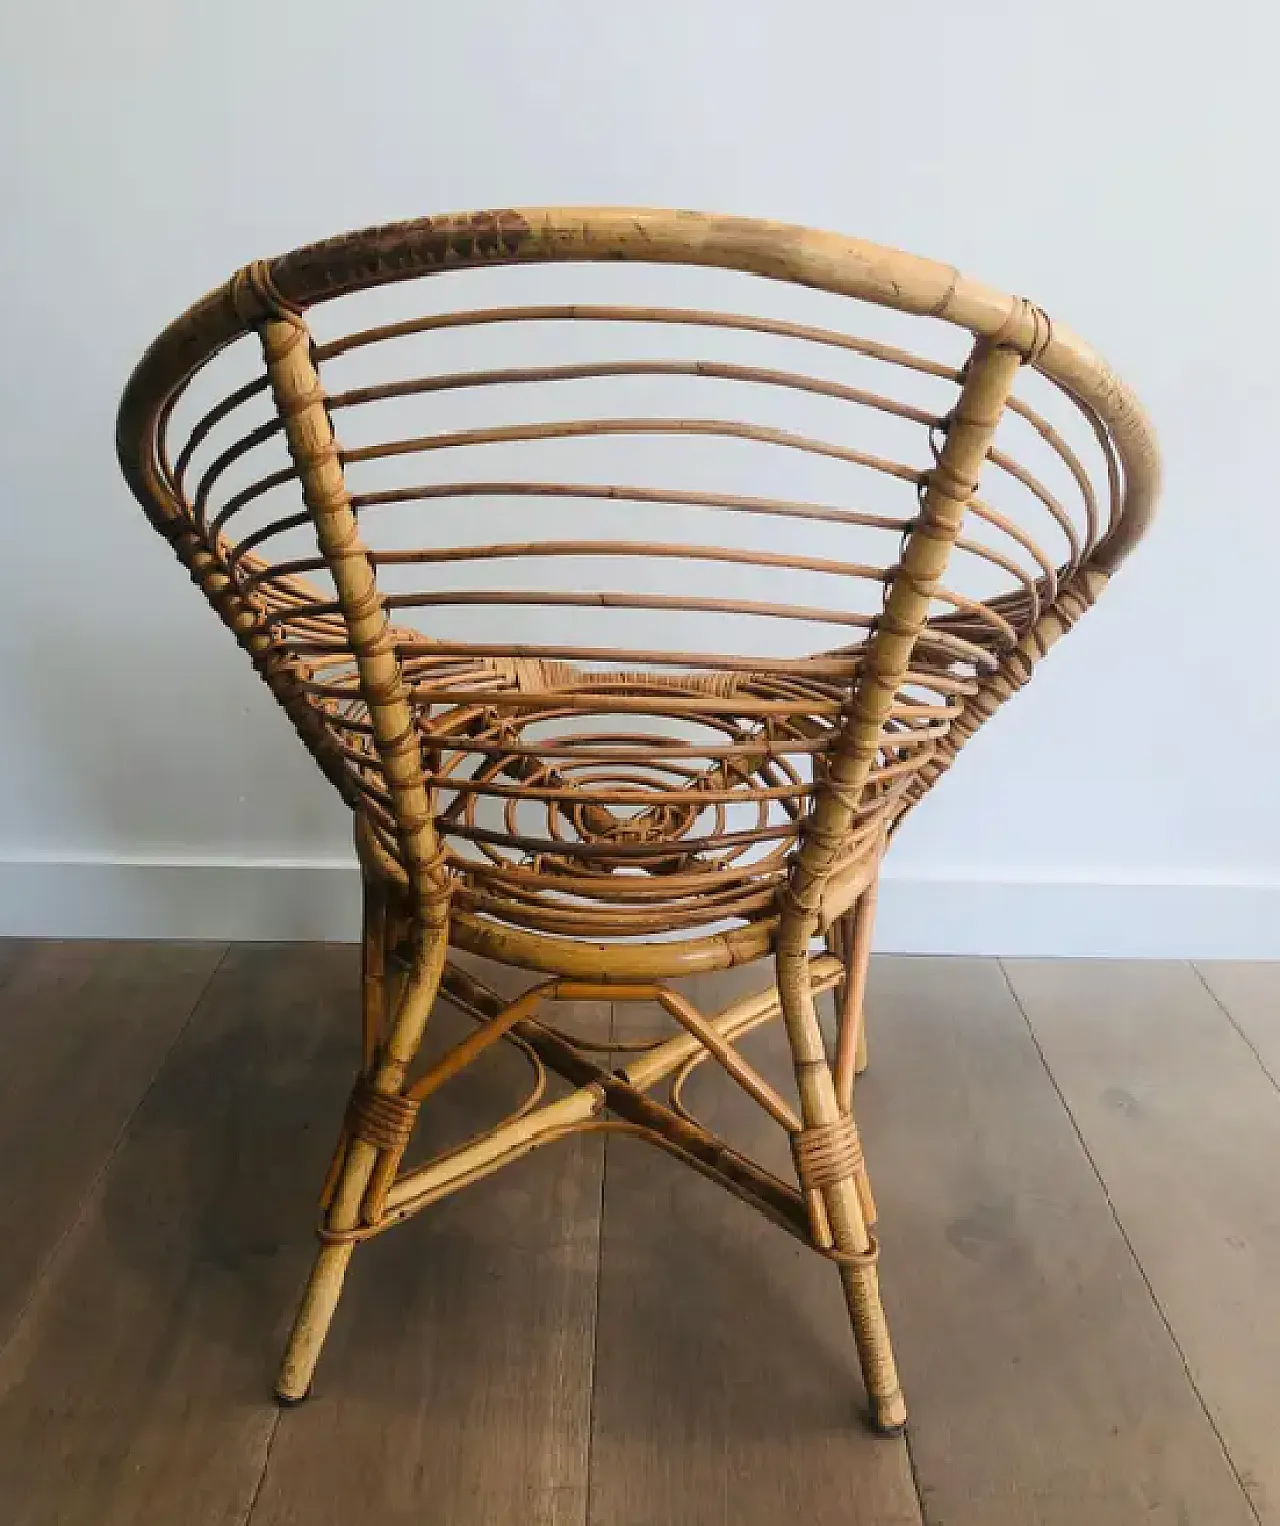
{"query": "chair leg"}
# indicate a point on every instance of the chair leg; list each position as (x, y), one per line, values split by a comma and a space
(851, 943)
(861, 1285)
(311, 1323)
(836, 1166)
(863, 919)
(875, 1351)
(352, 1172)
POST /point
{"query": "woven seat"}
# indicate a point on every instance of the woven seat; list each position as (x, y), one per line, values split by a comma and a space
(585, 813)
(608, 758)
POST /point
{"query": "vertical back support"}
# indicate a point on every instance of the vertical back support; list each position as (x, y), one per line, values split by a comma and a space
(300, 399)
(829, 1132)
(362, 1173)
(989, 380)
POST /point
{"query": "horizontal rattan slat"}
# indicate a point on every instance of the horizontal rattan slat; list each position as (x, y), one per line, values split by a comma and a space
(487, 711)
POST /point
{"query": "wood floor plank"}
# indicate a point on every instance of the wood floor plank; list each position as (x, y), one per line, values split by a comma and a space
(726, 1379)
(1043, 1387)
(1184, 1126)
(456, 1385)
(136, 1388)
(11, 951)
(1250, 992)
(83, 1029)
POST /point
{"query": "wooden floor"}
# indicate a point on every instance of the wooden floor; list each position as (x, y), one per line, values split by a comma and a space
(1078, 1170)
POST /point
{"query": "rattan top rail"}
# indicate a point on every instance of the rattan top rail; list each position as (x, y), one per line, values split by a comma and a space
(832, 262)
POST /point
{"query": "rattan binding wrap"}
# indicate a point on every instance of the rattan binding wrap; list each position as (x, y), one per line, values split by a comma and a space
(609, 812)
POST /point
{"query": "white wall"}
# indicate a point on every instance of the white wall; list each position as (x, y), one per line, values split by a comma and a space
(1114, 161)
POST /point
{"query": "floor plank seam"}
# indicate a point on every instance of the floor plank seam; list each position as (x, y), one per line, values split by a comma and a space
(266, 1463)
(1226, 1012)
(595, 1336)
(925, 1518)
(1124, 1235)
(595, 1314)
(77, 1218)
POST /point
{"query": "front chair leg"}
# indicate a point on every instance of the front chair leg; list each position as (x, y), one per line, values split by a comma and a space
(831, 1172)
(324, 1287)
(861, 1285)
(362, 1169)
(829, 1159)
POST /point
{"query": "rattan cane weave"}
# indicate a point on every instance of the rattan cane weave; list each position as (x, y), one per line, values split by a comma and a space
(607, 813)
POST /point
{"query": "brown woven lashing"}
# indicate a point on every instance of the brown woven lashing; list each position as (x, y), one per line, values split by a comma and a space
(827, 1153)
(385, 1122)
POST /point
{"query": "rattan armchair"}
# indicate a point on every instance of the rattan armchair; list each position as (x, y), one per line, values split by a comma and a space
(608, 815)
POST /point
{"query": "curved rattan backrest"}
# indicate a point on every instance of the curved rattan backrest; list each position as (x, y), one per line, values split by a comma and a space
(524, 609)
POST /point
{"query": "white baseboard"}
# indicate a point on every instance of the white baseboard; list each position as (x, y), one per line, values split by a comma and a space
(319, 899)
(263, 900)
(1069, 918)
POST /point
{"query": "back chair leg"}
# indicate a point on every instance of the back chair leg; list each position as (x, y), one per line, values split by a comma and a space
(861, 927)
(362, 1168)
(849, 939)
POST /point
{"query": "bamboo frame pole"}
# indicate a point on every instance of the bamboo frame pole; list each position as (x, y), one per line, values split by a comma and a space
(874, 753)
(730, 1022)
(699, 1148)
(299, 398)
(482, 1156)
(851, 1038)
(709, 1034)
(373, 968)
(354, 1180)
(990, 377)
